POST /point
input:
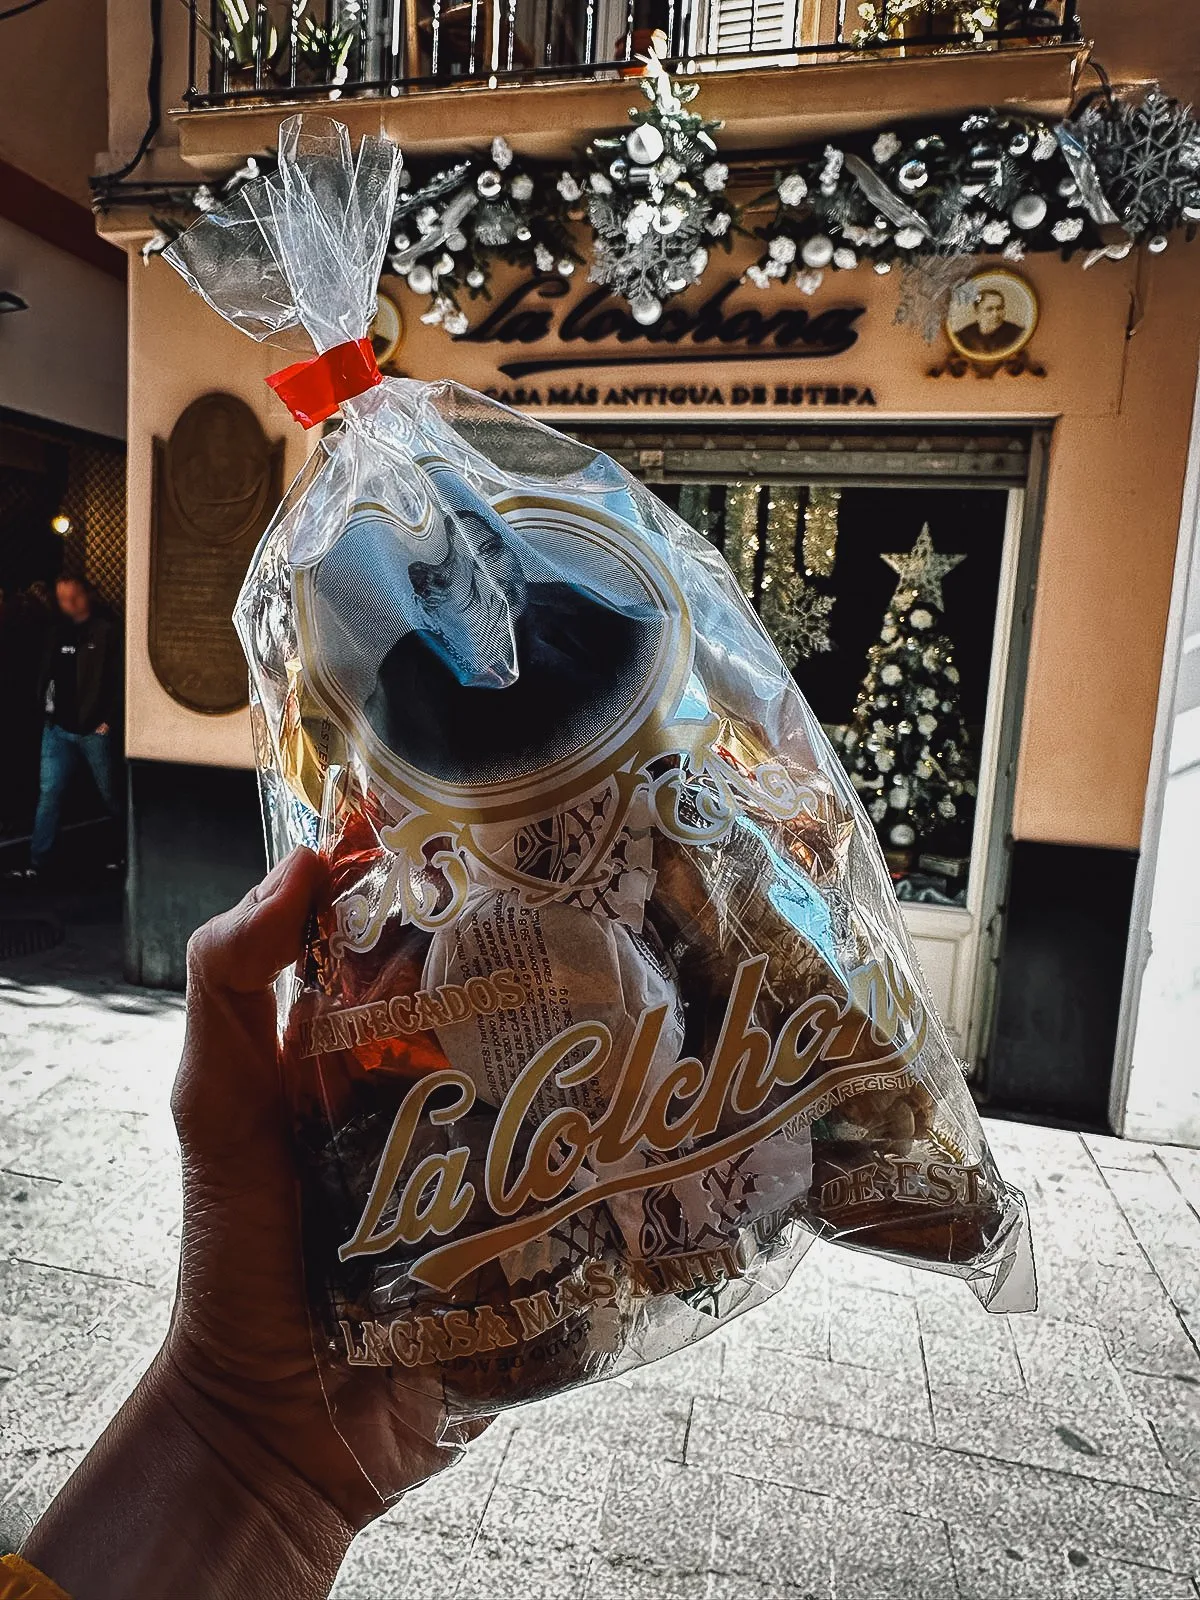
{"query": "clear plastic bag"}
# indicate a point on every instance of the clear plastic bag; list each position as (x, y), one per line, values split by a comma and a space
(614, 1011)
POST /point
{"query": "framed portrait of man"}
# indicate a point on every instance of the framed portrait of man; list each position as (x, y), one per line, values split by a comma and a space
(387, 330)
(992, 317)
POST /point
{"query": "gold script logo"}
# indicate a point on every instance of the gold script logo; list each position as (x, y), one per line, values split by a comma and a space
(868, 1041)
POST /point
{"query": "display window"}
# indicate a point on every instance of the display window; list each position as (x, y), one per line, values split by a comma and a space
(886, 569)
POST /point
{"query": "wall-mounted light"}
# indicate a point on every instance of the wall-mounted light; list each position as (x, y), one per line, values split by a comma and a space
(11, 302)
(61, 524)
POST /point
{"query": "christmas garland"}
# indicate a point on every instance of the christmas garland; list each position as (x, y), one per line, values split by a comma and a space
(451, 228)
(993, 182)
(927, 197)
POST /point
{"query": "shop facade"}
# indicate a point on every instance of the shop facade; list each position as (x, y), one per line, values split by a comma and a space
(818, 441)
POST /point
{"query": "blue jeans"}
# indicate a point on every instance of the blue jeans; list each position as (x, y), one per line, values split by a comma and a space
(60, 753)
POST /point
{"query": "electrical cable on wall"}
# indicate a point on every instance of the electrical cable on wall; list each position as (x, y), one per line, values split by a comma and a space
(15, 11)
(154, 101)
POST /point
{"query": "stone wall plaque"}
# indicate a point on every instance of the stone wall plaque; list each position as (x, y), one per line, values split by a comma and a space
(217, 482)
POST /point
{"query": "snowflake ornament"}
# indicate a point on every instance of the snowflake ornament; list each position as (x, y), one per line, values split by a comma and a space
(1147, 158)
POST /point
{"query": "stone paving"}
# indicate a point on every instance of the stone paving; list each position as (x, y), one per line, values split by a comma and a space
(871, 1434)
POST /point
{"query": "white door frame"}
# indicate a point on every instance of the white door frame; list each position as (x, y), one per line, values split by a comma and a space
(1137, 950)
(968, 1006)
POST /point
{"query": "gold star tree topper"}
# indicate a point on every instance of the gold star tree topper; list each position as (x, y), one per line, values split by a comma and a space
(921, 571)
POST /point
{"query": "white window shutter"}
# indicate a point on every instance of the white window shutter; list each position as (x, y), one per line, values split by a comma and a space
(737, 27)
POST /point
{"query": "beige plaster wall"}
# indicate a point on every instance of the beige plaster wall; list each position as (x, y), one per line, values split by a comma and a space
(1108, 551)
(54, 93)
(179, 349)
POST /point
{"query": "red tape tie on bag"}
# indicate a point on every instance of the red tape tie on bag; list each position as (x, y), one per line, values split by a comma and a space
(313, 390)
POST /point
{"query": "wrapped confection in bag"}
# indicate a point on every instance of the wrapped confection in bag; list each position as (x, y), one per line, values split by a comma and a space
(613, 1011)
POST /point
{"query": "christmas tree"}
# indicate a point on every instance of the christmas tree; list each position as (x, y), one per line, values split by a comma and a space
(906, 748)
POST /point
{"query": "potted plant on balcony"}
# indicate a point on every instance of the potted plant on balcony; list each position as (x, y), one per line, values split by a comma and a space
(917, 23)
(323, 49)
(1029, 22)
(245, 40)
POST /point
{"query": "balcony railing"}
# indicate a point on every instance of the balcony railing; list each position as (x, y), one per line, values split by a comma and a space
(244, 51)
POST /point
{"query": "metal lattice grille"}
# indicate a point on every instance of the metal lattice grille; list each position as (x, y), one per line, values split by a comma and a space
(95, 502)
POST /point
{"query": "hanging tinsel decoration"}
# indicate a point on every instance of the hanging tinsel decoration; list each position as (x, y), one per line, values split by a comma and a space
(697, 510)
(741, 534)
(656, 198)
(821, 529)
(794, 613)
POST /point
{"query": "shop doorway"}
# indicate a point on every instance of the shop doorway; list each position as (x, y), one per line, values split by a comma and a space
(62, 514)
(836, 523)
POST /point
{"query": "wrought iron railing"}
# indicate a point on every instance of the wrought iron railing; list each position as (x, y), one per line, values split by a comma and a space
(253, 50)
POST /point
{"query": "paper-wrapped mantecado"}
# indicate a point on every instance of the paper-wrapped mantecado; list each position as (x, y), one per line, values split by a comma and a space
(613, 1011)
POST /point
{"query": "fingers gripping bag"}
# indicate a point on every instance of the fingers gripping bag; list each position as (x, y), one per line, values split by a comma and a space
(613, 1011)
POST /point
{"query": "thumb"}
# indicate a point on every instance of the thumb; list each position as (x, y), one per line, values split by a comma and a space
(243, 950)
(228, 1081)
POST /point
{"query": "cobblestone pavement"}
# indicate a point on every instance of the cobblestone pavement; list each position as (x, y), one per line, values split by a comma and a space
(869, 1434)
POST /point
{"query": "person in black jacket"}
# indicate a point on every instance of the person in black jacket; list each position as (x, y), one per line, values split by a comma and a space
(80, 691)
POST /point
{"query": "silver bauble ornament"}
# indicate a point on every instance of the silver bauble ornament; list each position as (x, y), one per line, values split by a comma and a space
(1158, 244)
(420, 279)
(1029, 211)
(565, 267)
(902, 834)
(817, 251)
(646, 309)
(675, 285)
(475, 278)
(524, 234)
(668, 219)
(1019, 144)
(1067, 187)
(883, 268)
(913, 175)
(909, 238)
(619, 169)
(1191, 210)
(488, 183)
(645, 144)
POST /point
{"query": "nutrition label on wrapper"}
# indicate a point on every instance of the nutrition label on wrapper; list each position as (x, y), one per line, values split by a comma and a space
(507, 1041)
(573, 967)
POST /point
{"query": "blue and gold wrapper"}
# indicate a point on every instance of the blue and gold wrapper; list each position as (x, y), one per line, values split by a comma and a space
(613, 1011)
